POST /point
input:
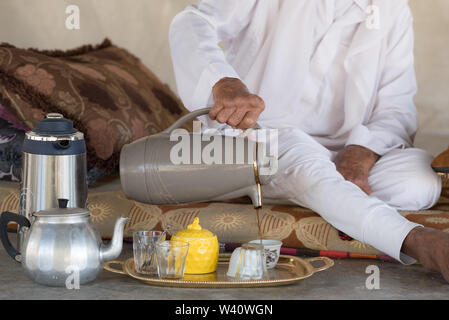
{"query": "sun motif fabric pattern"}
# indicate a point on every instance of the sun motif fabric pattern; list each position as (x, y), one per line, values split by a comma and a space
(99, 211)
(227, 221)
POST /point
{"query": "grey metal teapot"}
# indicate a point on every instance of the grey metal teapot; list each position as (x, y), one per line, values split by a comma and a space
(148, 173)
(59, 243)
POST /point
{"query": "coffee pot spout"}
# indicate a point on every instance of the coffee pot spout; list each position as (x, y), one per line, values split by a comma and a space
(252, 191)
(256, 196)
(114, 248)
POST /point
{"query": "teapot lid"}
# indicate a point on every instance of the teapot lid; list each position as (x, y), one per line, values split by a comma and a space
(62, 212)
(194, 230)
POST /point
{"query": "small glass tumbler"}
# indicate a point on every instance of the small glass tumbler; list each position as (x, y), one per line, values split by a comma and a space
(144, 254)
(171, 259)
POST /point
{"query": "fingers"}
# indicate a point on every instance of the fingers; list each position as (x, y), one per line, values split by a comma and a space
(249, 120)
(236, 118)
(445, 275)
(251, 117)
(215, 110)
(241, 113)
(224, 114)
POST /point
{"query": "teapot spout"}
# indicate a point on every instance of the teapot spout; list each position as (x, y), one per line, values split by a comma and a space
(114, 248)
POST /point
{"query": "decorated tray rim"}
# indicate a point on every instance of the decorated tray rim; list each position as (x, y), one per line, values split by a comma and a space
(284, 261)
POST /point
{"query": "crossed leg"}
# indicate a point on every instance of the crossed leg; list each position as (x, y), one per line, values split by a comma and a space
(404, 179)
(308, 177)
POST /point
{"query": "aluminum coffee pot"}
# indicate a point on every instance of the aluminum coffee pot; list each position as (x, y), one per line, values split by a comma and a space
(59, 243)
(53, 167)
(174, 167)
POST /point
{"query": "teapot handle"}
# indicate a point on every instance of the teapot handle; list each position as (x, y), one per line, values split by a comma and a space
(5, 218)
(190, 116)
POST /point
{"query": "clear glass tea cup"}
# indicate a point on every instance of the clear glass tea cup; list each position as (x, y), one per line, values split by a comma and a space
(171, 258)
(144, 243)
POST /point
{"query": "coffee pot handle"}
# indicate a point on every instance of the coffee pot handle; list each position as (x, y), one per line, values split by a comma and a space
(5, 218)
(190, 116)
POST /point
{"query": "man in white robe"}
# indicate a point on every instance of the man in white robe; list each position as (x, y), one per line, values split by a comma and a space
(336, 77)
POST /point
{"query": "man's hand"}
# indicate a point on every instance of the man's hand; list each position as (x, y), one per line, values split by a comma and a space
(234, 104)
(430, 247)
(355, 163)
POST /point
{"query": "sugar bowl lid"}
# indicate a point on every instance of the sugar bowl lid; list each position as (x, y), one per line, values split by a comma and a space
(194, 230)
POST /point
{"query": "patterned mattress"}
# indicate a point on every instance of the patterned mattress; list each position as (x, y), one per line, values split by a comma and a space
(233, 223)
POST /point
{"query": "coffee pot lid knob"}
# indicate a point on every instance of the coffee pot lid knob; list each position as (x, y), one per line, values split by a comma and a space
(54, 116)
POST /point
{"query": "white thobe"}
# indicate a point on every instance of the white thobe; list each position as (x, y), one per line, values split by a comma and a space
(329, 79)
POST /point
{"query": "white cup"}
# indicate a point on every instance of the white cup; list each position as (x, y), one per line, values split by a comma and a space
(247, 263)
(272, 249)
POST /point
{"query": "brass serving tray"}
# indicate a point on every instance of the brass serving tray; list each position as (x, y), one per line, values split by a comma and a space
(289, 270)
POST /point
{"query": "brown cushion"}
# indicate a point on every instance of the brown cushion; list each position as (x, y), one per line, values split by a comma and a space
(107, 92)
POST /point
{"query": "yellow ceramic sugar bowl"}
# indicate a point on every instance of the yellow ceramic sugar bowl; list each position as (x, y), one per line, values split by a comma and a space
(202, 256)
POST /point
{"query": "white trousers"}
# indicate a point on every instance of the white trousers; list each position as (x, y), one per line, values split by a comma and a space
(402, 179)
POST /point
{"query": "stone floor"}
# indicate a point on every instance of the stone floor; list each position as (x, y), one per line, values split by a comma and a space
(345, 280)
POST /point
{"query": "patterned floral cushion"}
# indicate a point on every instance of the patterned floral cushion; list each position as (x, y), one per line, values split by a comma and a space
(107, 92)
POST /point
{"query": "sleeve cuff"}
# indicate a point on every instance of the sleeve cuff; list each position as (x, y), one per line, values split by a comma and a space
(362, 136)
(202, 96)
(402, 257)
